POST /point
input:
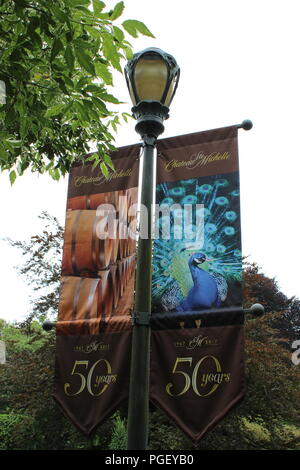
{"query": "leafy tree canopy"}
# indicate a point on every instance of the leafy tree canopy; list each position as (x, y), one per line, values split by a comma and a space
(56, 64)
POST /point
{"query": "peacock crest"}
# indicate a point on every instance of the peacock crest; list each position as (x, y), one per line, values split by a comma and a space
(178, 280)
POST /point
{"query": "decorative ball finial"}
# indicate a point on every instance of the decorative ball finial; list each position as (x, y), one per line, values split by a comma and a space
(247, 125)
(257, 310)
(47, 325)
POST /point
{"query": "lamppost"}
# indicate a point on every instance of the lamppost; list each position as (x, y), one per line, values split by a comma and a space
(152, 77)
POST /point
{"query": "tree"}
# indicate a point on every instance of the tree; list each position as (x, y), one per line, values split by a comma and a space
(56, 64)
(42, 256)
(260, 288)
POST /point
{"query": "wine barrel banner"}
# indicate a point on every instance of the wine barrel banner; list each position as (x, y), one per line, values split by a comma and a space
(93, 328)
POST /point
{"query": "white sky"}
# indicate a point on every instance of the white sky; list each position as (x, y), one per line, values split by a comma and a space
(238, 60)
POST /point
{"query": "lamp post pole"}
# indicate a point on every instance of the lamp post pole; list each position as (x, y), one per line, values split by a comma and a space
(138, 406)
(152, 76)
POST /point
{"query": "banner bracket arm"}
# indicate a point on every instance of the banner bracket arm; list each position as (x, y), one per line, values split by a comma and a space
(144, 318)
(141, 318)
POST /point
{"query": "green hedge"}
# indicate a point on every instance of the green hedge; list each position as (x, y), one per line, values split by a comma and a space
(14, 430)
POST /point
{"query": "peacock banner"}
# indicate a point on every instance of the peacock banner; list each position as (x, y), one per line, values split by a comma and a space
(93, 329)
(197, 338)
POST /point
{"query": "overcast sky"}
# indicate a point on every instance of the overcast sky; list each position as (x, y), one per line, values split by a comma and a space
(238, 60)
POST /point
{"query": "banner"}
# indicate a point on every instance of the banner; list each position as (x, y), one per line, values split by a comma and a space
(93, 330)
(197, 338)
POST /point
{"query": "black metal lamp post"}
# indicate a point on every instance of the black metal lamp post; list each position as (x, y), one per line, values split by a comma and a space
(152, 77)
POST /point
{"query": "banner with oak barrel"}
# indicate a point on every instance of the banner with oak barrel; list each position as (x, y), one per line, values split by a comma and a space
(93, 329)
(197, 350)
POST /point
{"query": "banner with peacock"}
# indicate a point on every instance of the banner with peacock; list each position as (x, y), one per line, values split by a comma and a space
(203, 268)
(197, 259)
(197, 341)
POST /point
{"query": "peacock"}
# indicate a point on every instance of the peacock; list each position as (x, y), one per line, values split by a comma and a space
(197, 265)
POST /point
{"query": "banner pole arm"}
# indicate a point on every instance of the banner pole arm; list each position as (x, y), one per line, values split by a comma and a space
(256, 310)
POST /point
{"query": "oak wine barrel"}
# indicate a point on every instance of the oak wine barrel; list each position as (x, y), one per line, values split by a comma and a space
(84, 253)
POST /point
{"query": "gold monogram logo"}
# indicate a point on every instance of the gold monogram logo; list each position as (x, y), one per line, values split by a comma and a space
(197, 342)
(93, 346)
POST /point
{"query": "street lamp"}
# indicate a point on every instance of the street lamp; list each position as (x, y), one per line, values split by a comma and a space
(152, 77)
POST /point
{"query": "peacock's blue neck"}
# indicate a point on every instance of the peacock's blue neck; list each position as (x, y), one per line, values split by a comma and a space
(204, 293)
(198, 274)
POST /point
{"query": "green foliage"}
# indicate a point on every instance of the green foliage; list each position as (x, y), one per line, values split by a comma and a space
(33, 342)
(29, 417)
(13, 431)
(165, 435)
(261, 288)
(56, 61)
(134, 27)
(119, 434)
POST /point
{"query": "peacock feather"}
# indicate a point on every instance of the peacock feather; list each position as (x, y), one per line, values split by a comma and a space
(215, 203)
